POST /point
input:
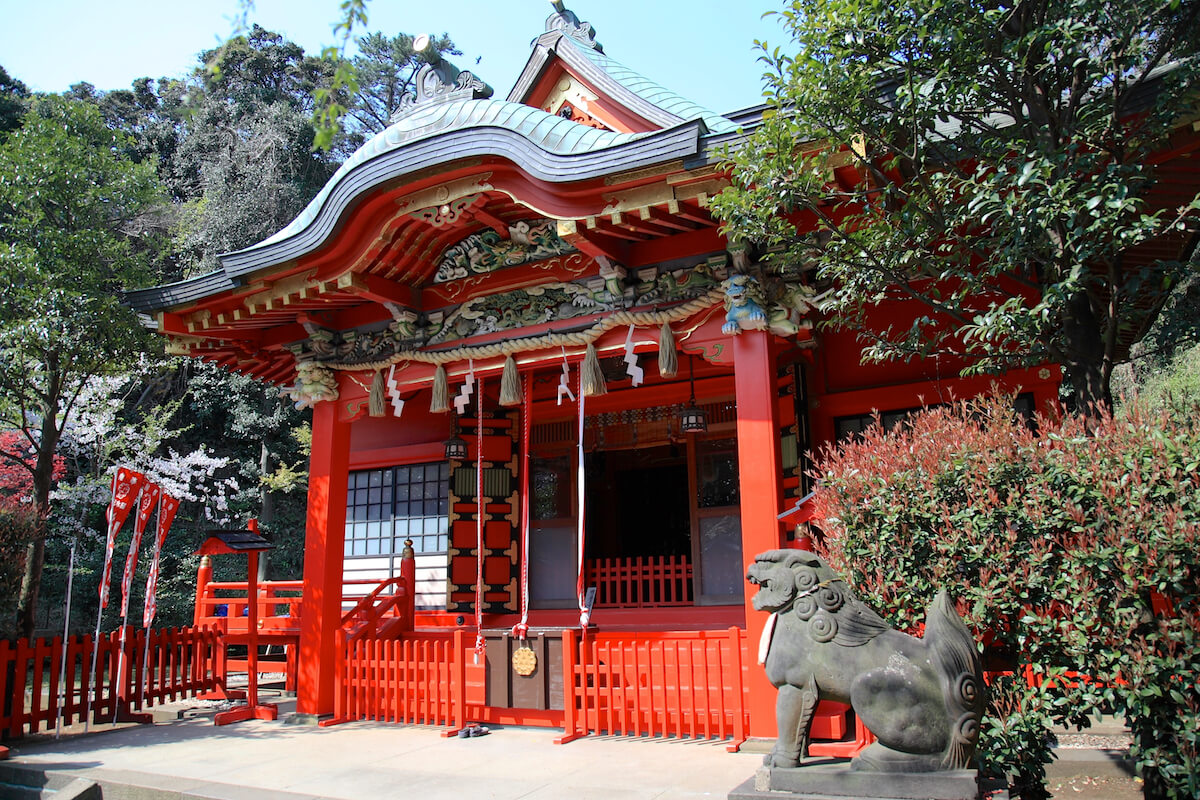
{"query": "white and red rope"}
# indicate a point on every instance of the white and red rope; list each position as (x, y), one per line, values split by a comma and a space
(581, 493)
(521, 629)
(479, 646)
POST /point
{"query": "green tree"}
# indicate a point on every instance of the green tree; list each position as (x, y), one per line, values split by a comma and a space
(989, 160)
(245, 162)
(13, 95)
(385, 69)
(77, 223)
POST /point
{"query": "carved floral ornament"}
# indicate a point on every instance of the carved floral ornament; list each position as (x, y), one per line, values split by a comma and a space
(753, 300)
(564, 20)
(440, 82)
(487, 251)
(314, 383)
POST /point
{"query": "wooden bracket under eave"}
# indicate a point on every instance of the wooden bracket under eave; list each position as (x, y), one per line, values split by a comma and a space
(593, 243)
(381, 290)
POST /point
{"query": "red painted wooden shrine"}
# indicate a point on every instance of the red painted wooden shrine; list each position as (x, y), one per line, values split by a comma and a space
(246, 542)
(479, 232)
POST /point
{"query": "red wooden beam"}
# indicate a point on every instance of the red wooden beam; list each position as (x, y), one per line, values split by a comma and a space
(689, 212)
(493, 222)
(381, 290)
(667, 220)
(606, 227)
(595, 243)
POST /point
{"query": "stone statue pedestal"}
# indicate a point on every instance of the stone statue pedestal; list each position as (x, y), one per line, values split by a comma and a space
(831, 780)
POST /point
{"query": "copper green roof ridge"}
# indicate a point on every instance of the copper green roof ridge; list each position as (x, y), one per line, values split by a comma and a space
(547, 131)
(652, 92)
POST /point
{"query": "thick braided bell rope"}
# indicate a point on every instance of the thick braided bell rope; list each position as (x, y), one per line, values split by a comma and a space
(509, 347)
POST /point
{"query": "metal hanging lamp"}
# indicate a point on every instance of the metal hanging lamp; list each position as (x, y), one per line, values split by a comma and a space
(456, 448)
(692, 418)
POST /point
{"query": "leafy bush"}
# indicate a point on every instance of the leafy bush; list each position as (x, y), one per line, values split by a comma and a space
(1175, 385)
(18, 526)
(1073, 551)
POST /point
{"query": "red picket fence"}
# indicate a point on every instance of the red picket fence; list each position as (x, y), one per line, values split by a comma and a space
(182, 662)
(684, 684)
(641, 582)
(420, 679)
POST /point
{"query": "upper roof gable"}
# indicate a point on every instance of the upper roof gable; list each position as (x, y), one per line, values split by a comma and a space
(610, 92)
(451, 118)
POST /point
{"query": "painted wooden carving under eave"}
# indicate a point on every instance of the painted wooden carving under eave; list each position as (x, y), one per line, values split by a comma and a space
(480, 253)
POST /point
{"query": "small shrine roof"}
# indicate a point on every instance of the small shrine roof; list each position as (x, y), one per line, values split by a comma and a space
(227, 542)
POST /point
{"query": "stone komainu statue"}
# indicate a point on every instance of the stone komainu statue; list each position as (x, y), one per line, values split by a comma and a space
(922, 698)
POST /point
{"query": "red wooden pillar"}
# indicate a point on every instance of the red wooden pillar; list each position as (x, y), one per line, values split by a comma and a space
(324, 540)
(203, 578)
(761, 484)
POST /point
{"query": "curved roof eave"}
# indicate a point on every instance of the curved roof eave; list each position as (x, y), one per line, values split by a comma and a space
(659, 147)
(171, 295)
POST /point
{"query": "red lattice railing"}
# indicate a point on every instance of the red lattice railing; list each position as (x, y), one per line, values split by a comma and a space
(641, 582)
(418, 680)
(685, 684)
(182, 662)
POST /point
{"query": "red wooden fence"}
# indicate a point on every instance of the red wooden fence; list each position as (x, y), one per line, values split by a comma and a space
(683, 684)
(641, 582)
(420, 679)
(182, 662)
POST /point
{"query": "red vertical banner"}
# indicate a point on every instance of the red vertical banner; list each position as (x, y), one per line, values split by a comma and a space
(126, 485)
(167, 506)
(146, 505)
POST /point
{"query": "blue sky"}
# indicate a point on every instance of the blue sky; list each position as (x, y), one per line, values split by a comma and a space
(701, 49)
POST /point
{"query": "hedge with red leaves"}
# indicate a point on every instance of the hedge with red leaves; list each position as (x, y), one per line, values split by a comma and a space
(1073, 550)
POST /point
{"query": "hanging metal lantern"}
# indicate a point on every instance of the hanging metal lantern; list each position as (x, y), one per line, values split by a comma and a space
(692, 419)
(456, 449)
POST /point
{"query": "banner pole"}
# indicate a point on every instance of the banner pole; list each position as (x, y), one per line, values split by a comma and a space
(93, 685)
(62, 673)
(120, 668)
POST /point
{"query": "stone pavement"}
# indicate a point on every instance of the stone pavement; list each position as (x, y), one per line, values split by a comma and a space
(191, 759)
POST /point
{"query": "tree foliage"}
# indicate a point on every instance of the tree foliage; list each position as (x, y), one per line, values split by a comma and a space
(232, 143)
(1073, 550)
(16, 474)
(245, 162)
(77, 222)
(990, 160)
(385, 70)
(13, 95)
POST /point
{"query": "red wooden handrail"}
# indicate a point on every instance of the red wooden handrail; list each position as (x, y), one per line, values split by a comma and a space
(364, 618)
(641, 581)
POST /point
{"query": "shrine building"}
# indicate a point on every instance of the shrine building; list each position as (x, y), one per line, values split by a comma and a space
(530, 351)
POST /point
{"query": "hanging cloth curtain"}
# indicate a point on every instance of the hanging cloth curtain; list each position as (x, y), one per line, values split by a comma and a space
(521, 629)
